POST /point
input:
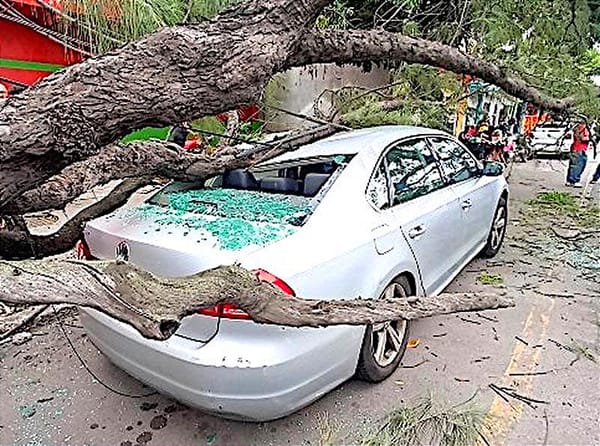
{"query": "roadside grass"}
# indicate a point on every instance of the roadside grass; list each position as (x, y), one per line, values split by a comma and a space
(566, 207)
(490, 279)
(429, 421)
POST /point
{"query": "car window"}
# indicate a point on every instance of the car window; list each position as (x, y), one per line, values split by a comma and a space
(456, 162)
(378, 192)
(411, 170)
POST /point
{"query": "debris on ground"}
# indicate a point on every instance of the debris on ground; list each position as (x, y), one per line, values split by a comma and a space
(27, 410)
(486, 278)
(413, 343)
(22, 338)
(14, 318)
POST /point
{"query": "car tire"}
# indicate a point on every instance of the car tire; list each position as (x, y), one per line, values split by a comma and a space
(376, 363)
(497, 231)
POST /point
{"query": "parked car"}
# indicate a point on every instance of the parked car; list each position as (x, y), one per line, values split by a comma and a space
(552, 138)
(387, 211)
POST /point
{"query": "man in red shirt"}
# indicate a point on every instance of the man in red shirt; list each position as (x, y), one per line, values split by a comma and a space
(578, 156)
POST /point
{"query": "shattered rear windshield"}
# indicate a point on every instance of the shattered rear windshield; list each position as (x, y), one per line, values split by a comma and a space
(284, 193)
(233, 203)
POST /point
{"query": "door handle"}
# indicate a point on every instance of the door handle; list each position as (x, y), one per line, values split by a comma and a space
(417, 231)
(466, 205)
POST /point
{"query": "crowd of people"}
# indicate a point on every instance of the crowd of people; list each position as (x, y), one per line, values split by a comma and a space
(491, 143)
(498, 143)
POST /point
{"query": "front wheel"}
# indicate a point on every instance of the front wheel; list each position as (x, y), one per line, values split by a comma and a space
(384, 344)
(497, 231)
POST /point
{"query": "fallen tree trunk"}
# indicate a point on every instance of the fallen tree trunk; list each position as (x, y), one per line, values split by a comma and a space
(202, 70)
(155, 306)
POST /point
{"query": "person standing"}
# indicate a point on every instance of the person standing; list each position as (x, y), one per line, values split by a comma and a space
(596, 176)
(578, 155)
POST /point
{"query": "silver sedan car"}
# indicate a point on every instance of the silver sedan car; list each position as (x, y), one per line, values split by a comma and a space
(387, 211)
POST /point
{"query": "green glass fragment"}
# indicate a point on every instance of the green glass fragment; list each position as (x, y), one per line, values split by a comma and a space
(236, 218)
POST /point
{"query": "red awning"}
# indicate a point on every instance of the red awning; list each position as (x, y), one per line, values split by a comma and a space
(36, 3)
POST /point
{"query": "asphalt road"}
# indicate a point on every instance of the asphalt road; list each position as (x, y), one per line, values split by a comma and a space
(47, 398)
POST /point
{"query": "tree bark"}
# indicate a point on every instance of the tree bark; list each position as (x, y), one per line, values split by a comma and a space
(119, 161)
(175, 74)
(378, 46)
(155, 306)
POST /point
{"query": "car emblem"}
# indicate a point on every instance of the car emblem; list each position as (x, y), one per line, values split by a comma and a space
(122, 252)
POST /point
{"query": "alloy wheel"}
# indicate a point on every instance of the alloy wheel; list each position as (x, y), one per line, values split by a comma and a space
(388, 336)
(498, 228)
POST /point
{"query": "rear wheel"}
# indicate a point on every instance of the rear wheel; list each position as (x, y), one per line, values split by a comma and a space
(497, 231)
(384, 343)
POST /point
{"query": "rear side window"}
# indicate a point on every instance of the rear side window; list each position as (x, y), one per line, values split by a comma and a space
(410, 171)
(456, 162)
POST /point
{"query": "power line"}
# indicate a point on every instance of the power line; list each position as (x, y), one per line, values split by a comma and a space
(85, 366)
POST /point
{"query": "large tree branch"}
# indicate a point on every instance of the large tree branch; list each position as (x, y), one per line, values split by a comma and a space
(155, 306)
(151, 158)
(379, 45)
(118, 161)
(178, 73)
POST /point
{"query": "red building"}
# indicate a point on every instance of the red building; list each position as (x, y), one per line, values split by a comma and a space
(31, 45)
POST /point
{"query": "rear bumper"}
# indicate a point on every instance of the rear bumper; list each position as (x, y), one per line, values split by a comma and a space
(265, 379)
(550, 149)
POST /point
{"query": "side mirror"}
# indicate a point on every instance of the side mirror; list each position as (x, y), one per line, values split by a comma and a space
(492, 169)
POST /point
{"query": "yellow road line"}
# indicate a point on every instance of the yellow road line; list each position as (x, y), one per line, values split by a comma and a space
(524, 359)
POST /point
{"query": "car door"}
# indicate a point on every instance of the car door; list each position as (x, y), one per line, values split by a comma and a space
(421, 210)
(476, 197)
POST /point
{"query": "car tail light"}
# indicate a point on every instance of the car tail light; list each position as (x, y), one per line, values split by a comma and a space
(231, 311)
(82, 251)
(266, 276)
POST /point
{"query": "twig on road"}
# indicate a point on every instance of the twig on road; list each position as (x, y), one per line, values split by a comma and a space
(522, 340)
(509, 391)
(487, 318)
(546, 423)
(414, 366)
(469, 320)
(543, 372)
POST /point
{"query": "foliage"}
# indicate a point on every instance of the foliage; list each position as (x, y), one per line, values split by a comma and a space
(335, 16)
(566, 206)
(371, 114)
(590, 62)
(429, 422)
(212, 125)
(548, 42)
(555, 200)
(423, 94)
(490, 279)
(106, 24)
